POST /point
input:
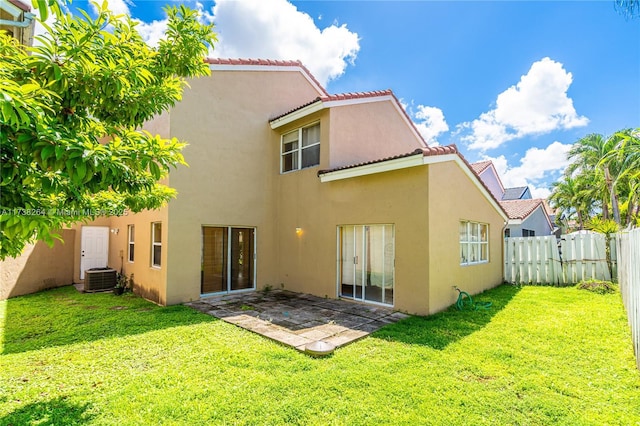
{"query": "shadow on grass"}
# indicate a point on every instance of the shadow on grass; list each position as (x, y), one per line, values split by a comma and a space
(440, 330)
(54, 412)
(63, 316)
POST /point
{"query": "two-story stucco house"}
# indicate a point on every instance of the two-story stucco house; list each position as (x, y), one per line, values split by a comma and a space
(291, 187)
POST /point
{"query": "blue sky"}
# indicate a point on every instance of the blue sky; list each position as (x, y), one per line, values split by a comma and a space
(515, 82)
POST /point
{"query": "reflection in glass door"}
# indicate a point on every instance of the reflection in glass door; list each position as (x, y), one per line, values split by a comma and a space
(228, 259)
(367, 255)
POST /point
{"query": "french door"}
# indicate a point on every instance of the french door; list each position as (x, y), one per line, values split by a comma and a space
(366, 260)
(228, 259)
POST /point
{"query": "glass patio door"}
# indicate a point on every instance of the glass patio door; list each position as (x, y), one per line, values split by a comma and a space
(228, 259)
(367, 255)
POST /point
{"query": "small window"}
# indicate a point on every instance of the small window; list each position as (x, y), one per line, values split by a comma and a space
(131, 241)
(300, 149)
(528, 233)
(474, 242)
(156, 244)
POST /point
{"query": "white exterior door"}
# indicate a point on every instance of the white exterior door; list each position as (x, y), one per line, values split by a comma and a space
(94, 248)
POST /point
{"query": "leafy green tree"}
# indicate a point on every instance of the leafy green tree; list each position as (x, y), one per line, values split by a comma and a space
(71, 109)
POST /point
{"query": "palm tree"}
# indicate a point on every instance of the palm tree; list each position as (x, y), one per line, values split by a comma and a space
(571, 197)
(588, 154)
(626, 157)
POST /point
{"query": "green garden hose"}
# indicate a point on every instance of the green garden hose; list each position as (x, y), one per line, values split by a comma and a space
(465, 302)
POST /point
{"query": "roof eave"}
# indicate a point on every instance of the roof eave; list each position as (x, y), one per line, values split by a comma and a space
(369, 169)
(297, 114)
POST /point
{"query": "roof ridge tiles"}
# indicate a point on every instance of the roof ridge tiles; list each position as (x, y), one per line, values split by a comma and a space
(267, 62)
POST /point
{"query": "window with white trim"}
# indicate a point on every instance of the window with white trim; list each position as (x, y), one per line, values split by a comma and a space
(300, 149)
(474, 242)
(131, 241)
(156, 244)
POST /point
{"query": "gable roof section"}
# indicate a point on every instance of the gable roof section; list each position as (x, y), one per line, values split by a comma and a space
(418, 157)
(336, 100)
(520, 210)
(480, 166)
(265, 65)
(514, 193)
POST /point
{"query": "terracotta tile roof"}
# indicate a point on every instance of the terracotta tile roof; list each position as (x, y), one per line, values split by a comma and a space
(381, 160)
(337, 97)
(480, 166)
(520, 209)
(265, 62)
(426, 152)
(438, 150)
(357, 95)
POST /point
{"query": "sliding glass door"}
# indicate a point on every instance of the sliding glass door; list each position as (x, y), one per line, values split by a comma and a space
(367, 254)
(228, 259)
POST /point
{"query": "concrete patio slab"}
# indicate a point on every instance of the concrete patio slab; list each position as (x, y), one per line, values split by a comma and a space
(299, 320)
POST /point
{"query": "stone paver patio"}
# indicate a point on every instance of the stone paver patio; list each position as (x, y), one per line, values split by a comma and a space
(297, 319)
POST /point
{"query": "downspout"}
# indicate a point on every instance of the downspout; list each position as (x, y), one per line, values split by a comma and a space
(28, 19)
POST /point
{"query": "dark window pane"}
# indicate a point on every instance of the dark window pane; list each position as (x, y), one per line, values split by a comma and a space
(311, 156)
(157, 252)
(131, 247)
(290, 162)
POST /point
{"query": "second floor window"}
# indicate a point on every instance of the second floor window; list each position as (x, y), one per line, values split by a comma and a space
(300, 148)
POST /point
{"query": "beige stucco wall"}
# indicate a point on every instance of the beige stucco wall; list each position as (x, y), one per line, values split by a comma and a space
(453, 197)
(309, 263)
(150, 282)
(369, 131)
(231, 178)
(38, 267)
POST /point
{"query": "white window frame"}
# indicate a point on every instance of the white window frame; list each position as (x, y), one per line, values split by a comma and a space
(473, 241)
(155, 244)
(298, 150)
(131, 229)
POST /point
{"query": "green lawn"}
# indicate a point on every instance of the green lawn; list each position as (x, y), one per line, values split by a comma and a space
(539, 356)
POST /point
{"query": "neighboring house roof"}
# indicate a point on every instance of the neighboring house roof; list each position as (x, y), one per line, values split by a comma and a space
(520, 209)
(480, 166)
(514, 193)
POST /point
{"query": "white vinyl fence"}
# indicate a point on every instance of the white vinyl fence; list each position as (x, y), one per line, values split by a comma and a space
(541, 260)
(629, 279)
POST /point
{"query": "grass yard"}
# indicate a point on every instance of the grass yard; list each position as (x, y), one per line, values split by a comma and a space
(539, 356)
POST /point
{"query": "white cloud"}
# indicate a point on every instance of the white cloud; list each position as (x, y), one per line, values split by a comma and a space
(275, 29)
(152, 32)
(431, 123)
(536, 167)
(537, 104)
(118, 7)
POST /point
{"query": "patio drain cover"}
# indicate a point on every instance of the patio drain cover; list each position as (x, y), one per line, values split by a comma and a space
(319, 348)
